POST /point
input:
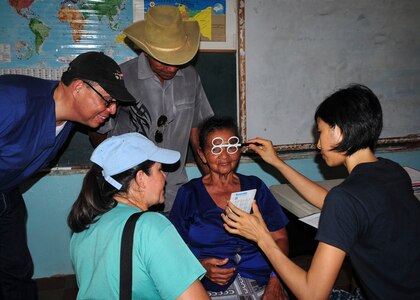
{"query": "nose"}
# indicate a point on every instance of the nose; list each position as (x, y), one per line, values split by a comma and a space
(171, 69)
(318, 144)
(224, 153)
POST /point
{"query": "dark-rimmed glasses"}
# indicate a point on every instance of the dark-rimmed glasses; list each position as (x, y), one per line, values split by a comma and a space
(108, 101)
(162, 122)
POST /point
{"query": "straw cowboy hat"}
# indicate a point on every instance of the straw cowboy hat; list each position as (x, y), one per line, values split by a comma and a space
(165, 36)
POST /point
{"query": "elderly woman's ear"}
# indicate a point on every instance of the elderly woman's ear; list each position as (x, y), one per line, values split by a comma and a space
(201, 155)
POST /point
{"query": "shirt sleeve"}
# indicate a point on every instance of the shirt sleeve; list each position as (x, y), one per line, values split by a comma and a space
(170, 264)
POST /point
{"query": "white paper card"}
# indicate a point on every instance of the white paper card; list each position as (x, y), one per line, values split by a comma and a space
(243, 199)
(312, 220)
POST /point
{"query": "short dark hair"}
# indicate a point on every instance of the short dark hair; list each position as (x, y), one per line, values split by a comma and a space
(357, 112)
(216, 123)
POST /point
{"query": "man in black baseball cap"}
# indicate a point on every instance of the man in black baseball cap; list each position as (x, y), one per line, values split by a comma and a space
(103, 70)
(37, 116)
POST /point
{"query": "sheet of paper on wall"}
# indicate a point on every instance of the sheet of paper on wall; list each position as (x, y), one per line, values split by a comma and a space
(312, 220)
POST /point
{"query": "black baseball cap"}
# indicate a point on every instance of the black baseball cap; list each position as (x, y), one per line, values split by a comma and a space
(100, 68)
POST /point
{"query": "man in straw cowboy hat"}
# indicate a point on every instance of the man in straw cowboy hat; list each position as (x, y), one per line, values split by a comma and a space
(171, 100)
(37, 117)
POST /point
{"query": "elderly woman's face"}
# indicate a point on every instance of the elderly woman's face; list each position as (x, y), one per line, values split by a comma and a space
(225, 161)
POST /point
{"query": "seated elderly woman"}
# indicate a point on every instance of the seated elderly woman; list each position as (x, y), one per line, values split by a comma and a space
(127, 178)
(233, 264)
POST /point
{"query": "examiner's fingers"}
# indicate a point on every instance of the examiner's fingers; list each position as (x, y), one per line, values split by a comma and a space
(259, 140)
(263, 143)
(228, 220)
(255, 208)
(229, 228)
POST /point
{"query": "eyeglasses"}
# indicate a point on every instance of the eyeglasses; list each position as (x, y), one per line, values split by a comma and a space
(231, 147)
(162, 122)
(108, 101)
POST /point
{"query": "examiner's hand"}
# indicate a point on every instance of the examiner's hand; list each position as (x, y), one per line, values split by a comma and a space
(250, 226)
(220, 276)
(266, 150)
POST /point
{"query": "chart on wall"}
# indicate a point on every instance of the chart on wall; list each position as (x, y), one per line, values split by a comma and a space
(210, 15)
(44, 35)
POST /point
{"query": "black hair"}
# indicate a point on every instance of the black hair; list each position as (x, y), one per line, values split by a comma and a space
(357, 112)
(215, 123)
(97, 195)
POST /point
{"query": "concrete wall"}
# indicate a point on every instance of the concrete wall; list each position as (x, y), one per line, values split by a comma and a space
(49, 199)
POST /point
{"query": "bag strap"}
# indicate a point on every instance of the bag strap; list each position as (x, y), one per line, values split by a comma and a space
(126, 259)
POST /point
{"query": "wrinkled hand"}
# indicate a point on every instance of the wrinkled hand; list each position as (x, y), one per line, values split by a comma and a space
(266, 150)
(274, 290)
(250, 226)
(220, 276)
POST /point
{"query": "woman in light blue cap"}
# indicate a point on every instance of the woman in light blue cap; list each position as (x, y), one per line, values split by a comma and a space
(126, 178)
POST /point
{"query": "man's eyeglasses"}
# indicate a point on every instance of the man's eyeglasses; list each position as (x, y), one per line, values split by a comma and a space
(108, 100)
(162, 122)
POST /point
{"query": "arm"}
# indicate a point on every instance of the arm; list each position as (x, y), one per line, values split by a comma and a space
(194, 291)
(281, 239)
(274, 288)
(312, 192)
(314, 284)
(195, 145)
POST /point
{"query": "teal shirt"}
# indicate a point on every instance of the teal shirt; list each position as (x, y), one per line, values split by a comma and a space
(163, 266)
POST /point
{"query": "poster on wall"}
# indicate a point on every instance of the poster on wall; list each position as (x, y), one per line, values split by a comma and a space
(40, 37)
(44, 35)
(217, 19)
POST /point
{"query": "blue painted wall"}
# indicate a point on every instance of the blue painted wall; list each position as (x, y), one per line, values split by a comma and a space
(49, 199)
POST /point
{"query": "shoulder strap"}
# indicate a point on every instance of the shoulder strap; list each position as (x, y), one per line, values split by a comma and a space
(126, 259)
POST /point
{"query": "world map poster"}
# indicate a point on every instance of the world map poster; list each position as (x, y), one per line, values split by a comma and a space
(43, 36)
(50, 33)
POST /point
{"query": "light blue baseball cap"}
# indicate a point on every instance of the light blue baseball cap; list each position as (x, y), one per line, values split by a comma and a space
(123, 152)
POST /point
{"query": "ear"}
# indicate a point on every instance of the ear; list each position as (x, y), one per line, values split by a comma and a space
(201, 155)
(338, 134)
(77, 85)
(140, 179)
